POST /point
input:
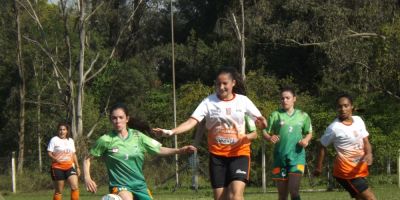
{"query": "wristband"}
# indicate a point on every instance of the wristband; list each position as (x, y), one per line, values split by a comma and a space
(167, 132)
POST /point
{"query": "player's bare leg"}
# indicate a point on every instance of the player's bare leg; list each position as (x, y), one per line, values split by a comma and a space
(283, 190)
(294, 186)
(236, 190)
(366, 195)
(73, 182)
(220, 193)
(59, 187)
(125, 195)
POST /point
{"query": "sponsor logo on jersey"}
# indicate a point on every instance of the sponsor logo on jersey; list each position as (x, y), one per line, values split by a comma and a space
(228, 111)
(222, 140)
(355, 133)
(114, 149)
(239, 171)
(214, 112)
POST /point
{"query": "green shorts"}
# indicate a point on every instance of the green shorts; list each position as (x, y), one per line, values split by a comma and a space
(137, 194)
(282, 173)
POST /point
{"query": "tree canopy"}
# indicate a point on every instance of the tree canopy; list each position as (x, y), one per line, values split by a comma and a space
(120, 51)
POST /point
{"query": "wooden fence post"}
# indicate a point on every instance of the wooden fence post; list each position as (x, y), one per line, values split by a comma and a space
(398, 168)
(264, 178)
(14, 185)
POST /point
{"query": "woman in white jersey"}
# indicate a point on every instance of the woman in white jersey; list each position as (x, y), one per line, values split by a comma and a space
(64, 166)
(354, 152)
(228, 143)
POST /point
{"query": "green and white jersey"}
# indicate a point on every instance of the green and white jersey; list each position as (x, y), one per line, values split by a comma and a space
(124, 158)
(290, 130)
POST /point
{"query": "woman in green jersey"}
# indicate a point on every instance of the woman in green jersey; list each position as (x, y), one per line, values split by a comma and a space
(290, 130)
(123, 151)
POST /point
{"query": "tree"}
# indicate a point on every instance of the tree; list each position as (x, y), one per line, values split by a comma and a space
(21, 89)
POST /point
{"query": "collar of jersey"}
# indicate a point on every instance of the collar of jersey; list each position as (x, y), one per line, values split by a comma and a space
(294, 112)
(129, 134)
(234, 95)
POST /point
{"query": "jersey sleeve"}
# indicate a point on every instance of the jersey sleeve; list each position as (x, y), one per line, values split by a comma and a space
(151, 145)
(73, 145)
(363, 129)
(307, 127)
(201, 111)
(328, 137)
(251, 109)
(50, 146)
(99, 147)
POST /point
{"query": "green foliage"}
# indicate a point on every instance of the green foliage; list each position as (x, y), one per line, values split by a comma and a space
(321, 48)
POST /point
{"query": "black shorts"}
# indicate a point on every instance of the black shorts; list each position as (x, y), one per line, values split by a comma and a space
(224, 170)
(354, 186)
(59, 174)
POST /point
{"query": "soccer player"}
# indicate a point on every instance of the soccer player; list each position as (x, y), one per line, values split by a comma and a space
(229, 145)
(123, 151)
(64, 166)
(354, 152)
(291, 131)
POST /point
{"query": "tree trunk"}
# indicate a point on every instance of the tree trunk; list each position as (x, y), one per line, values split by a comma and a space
(242, 43)
(21, 130)
(81, 81)
(39, 130)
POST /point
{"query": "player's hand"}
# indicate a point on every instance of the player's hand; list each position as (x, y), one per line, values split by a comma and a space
(317, 172)
(261, 122)
(273, 139)
(78, 171)
(303, 142)
(368, 158)
(90, 185)
(187, 149)
(162, 132)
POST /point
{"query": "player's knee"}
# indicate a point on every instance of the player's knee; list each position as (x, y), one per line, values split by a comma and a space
(237, 197)
(74, 187)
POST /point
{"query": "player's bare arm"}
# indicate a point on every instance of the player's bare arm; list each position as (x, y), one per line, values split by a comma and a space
(91, 186)
(165, 151)
(185, 126)
(320, 160)
(368, 151)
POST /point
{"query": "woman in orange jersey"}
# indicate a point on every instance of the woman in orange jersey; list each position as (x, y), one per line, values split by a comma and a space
(349, 136)
(225, 114)
(64, 166)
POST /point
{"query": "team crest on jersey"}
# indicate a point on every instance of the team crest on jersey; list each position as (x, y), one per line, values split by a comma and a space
(355, 133)
(300, 123)
(114, 149)
(282, 123)
(228, 111)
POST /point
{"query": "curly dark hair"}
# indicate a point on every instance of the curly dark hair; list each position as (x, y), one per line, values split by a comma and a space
(239, 87)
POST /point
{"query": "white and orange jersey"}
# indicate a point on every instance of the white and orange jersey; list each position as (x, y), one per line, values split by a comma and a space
(349, 145)
(225, 122)
(63, 150)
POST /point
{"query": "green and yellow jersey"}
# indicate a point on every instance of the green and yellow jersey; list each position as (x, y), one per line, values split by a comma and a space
(124, 158)
(290, 129)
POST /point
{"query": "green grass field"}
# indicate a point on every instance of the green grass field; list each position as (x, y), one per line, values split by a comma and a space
(383, 192)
